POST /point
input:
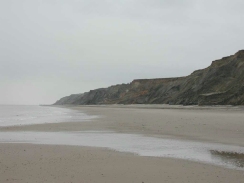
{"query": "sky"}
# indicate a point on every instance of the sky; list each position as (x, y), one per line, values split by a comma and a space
(53, 48)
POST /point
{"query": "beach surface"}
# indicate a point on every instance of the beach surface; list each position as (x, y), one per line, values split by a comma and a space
(61, 163)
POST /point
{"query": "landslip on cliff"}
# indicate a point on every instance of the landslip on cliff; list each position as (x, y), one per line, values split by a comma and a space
(222, 83)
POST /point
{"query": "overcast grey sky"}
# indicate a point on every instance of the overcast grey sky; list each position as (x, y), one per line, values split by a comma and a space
(53, 48)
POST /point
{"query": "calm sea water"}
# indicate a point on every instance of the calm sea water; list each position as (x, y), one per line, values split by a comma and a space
(11, 115)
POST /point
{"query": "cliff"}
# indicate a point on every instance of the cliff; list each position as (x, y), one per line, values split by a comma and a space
(222, 83)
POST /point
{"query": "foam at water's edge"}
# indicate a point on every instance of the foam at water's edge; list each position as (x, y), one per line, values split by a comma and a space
(28, 115)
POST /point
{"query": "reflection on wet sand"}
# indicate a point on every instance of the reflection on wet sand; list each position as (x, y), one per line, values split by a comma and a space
(237, 159)
(211, 153)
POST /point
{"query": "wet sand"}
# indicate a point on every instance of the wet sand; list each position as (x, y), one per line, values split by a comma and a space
(52, 163)
(22, 163)
(210, 125)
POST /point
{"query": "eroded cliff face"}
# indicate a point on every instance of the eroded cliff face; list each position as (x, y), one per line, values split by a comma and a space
(222, 83)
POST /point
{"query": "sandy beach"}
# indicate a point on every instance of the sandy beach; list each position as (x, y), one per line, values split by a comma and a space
(53, 163)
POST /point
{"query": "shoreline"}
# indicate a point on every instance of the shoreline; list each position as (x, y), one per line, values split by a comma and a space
(224, 126)
(158, 106)
(58, 163)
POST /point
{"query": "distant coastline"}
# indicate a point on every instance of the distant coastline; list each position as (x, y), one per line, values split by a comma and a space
(219, 84)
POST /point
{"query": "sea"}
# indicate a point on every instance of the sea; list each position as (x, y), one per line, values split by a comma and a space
(13, 115)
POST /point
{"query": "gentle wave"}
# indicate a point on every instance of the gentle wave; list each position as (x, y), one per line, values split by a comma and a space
(25, 115)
